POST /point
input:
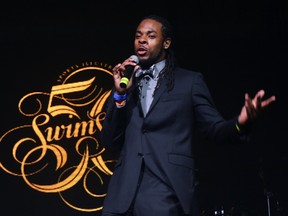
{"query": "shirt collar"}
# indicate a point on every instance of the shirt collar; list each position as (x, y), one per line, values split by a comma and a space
(157, 68)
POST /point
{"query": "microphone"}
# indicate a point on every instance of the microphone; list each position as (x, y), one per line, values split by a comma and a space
(128, 72)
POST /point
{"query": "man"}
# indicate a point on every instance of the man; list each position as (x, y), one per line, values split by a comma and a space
(152, 121)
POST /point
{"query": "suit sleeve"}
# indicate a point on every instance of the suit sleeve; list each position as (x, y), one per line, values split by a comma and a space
(113, 130)
(209, 120)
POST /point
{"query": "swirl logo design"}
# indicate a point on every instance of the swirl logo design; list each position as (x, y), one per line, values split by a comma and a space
(58, 149)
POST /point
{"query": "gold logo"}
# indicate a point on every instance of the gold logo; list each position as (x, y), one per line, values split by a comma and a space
(58, 150)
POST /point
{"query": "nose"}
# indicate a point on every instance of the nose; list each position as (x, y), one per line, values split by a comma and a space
(142, 41)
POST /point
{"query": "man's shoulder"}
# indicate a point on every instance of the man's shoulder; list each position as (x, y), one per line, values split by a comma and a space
(188, 72)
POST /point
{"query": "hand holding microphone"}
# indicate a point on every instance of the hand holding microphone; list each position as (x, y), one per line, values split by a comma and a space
(128, 72)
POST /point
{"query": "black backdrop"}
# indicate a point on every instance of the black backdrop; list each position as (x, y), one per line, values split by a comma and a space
(240, 46)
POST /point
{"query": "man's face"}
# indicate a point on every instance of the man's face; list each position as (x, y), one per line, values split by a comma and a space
(148, 42)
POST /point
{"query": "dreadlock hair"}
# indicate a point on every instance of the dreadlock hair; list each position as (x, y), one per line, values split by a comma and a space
(167, 32)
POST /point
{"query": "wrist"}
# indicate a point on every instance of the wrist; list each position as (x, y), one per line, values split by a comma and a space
(238, 126)
(120, 93)
(119, 97)
(242, 128)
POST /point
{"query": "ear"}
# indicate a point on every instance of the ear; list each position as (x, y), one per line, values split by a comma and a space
(167, 43)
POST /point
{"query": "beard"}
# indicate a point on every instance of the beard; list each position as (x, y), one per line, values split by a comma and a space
(147, 63)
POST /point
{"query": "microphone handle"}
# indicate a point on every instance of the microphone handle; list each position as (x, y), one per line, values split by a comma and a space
(126, 77)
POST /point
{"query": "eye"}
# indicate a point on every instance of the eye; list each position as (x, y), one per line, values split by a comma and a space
(138, 35)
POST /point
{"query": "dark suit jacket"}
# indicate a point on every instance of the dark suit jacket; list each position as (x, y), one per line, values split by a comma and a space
(164, 138)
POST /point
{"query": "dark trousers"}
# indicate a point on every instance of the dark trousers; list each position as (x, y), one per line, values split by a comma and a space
(154, 198)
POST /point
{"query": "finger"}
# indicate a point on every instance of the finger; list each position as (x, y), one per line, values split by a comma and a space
(248, 101)
(257, 100)
(268, 101)
(258, 103)
(250, 107)
(116, 68)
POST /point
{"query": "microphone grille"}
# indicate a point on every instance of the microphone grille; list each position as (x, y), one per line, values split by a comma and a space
(135, 58)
